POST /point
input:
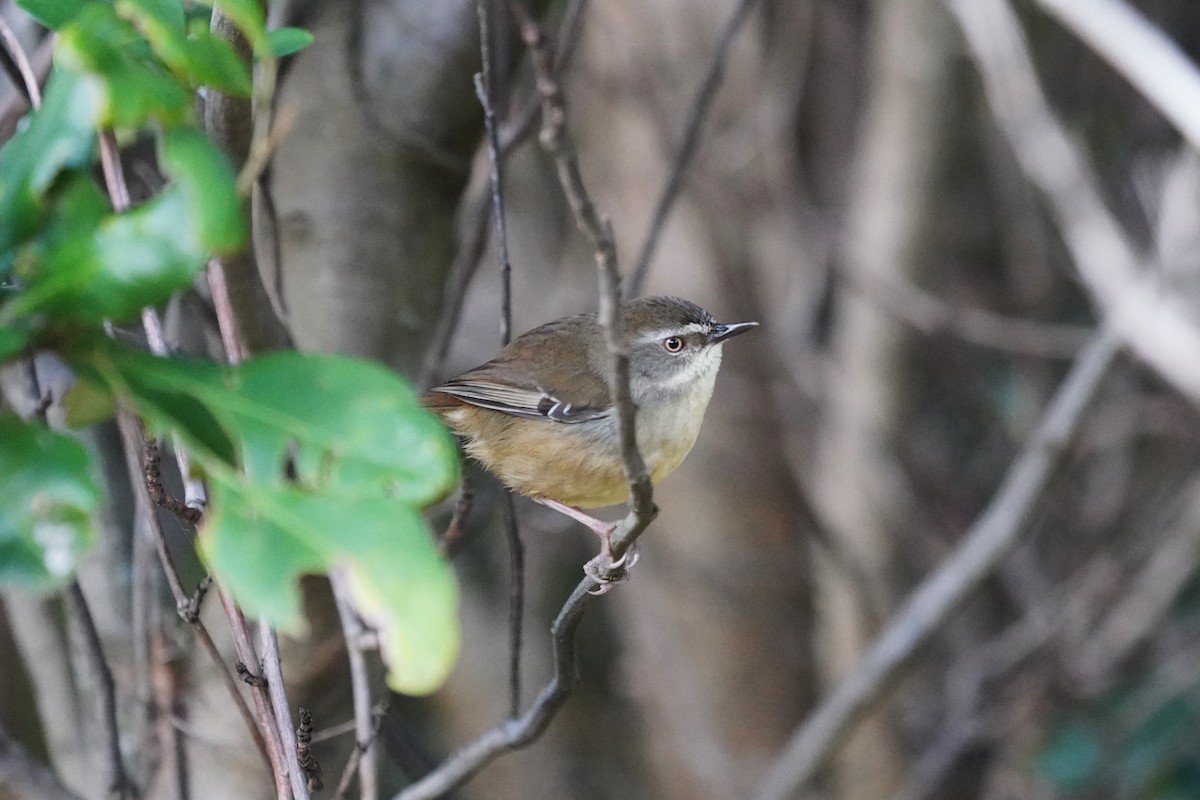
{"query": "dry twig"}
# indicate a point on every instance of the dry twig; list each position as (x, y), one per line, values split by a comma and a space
(1153, 320)
(990, 539)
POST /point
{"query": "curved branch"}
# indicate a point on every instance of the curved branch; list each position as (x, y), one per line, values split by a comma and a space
(985, 545)
(1154, 321)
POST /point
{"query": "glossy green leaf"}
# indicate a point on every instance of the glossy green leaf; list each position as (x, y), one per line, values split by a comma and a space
(248, 16)
(91, 265)
(212, 61)
(137, 86)
(261, 539)
(59, 135)
(315, 462)
(47, 498)
(208, 186)
(286, 41)
(54, 13)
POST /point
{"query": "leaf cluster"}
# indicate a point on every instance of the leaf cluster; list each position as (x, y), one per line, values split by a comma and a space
(312, 462)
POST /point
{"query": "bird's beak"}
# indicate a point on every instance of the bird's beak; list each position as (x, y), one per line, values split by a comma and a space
(722, 331)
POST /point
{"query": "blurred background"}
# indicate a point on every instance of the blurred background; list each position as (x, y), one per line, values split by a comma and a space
(852, 192)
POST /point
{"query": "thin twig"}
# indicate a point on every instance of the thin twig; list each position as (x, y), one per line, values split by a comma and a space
(929, 314)
(119, 784)
(241, 127)
(556, 140)
(361, 748)
(25, 776)
(701, 104)
(478, 210)
(1156, 323)
(133, 435)
(246, 654)
(273, 672)
(25, 79)
(1142, 53)
(485, 91)
(360, 686)
(990, 539)
(514, 734)
(516, 601)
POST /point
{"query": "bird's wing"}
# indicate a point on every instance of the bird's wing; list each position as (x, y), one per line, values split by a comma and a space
(522, 402)
(518, 382)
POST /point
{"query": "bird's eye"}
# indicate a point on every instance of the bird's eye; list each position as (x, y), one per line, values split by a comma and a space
(673, 344)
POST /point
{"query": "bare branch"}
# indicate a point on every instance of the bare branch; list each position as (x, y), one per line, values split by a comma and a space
(1152, 320)
(25, 77)
(360, 687)
(1141, 52)
(516, 596)
(23, 777)
(514, 734)
(479, 208)
(990, 539)
(119, 783)
(240, 129)
(929, 314)
(273, 672)
(556, 140)
(700, 107)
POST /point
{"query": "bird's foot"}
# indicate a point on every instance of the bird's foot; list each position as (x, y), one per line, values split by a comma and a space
(607, 572)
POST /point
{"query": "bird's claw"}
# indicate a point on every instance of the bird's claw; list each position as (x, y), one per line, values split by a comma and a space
(608, 572)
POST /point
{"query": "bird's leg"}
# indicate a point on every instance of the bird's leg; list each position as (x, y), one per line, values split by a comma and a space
(604, 569)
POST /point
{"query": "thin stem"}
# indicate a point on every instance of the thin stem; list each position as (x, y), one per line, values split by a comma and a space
(273, 672)
(516, 602)
(247, 656)
(697, 113)
(516, 595)
(119, 784)
(360, 687)
(993, 536)
(469, 255)
(514, 734)
(557, 141)
(26, 77)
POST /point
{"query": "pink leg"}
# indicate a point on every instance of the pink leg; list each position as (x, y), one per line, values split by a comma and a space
(603, 569)
(603, 529)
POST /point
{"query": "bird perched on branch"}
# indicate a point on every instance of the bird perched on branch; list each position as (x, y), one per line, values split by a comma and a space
(541, 418)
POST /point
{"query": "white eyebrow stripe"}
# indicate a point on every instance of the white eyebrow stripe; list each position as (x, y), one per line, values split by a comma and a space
(662, 333)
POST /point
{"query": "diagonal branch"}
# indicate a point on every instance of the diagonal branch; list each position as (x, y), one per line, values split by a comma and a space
(1154, 321)
(513, 734)
(698, 112)
(991, 538)
(556, 140)
(119, 783)
(1141, 52)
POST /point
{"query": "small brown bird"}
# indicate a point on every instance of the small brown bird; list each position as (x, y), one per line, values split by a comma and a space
(540, 417)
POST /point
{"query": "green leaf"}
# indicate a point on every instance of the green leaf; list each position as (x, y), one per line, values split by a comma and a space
(315, 462)
(58, 135)
(47, 497)
(248, 16)
(90, 265)
(286, 41)
(260, 539)
(137, 87)
(207, 183)
(53, 13)
(87, 402)
(212, 61)
(12, 341)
